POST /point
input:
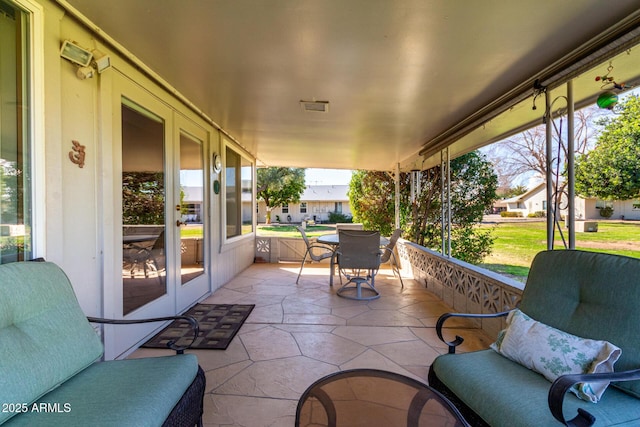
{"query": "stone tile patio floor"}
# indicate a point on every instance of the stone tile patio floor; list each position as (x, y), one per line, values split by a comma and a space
(297, 334)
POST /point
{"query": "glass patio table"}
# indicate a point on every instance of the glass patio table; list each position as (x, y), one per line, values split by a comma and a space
(371, 398)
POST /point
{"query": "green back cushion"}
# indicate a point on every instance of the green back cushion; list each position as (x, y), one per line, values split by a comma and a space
(45, 338)
(591, 295)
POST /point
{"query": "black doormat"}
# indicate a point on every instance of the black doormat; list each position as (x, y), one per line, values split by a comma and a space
(219, 323)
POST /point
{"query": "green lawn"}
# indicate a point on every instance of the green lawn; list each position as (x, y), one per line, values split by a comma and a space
(282, 230)
(517, 243)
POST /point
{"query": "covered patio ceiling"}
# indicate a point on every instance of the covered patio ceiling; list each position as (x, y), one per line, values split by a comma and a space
(402, 78)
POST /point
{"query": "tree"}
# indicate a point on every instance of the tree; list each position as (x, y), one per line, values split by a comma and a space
(279, 186)
(143, 198)
(473, 190)
(611, 171)
(526, 151)
(508, 191)
(372, 199)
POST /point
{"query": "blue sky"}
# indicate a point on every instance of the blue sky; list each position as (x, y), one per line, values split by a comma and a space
(327, 176)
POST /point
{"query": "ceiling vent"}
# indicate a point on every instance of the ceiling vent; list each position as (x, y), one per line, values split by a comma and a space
(315, 106)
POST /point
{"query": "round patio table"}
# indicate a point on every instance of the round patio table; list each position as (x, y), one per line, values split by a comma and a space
(372, 398)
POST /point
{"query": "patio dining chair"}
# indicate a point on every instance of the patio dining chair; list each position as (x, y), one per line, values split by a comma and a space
(388, 255)
(359, 260)
(147, 254)
(315, 251)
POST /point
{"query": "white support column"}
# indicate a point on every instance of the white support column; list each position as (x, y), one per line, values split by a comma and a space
(442, 202)
(397, 198)
(571, 203)
(448, 203)
(416, 185)
(445, 197)
(548, 171)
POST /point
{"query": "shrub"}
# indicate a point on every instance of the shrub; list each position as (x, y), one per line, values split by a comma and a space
(537, 214)
(508, 214)
(606, 212)
(335, 217)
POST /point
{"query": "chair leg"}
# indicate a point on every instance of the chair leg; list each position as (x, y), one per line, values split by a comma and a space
(358, 283)
(333, 266)
(395, 268)
(304, 259)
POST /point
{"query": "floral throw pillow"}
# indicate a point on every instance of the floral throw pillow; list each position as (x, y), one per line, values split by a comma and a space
(553, 353)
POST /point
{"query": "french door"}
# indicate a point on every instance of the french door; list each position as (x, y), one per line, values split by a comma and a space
(160, 212)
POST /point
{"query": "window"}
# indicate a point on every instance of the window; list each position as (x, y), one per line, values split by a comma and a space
(303, 207)
(636, 205)
(338, 207)
(285, 209)
(604, 204)
(239, 193)
(16, 177)
(544, 205)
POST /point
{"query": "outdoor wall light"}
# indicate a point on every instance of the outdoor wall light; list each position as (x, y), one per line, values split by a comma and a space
(101, 60)
(88, 61)
(85, 73)
(75, 54)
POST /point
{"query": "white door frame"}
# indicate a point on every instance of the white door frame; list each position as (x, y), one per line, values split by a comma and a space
(120, 340)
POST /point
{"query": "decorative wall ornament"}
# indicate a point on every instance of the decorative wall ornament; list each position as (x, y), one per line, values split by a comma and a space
(76, 155)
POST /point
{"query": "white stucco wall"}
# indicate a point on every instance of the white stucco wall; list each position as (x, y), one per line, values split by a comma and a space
(81, 207)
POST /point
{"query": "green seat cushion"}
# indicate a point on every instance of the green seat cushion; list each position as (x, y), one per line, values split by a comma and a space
(45, 338)
(132, 392)
(498, 389)
(590, 295)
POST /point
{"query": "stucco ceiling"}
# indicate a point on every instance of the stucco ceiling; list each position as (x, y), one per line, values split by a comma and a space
(396, 73)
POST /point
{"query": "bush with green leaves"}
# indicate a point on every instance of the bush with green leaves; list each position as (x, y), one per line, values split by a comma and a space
(537, 214)
(336, 217)
(606, 212)
(473, 191)
(510, 214)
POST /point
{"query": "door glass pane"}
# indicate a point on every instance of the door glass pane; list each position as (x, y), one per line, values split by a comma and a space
(191, 208)
(15, 171)
(143, 207)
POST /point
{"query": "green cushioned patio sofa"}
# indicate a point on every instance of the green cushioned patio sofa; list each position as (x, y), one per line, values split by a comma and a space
(50, 373)
(589, 295)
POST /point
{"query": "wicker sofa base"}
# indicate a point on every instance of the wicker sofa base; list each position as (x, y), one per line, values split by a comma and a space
(189, 409)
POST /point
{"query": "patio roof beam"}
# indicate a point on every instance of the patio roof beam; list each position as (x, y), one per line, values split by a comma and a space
(598, 50)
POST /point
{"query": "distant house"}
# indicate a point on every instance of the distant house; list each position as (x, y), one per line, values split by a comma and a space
(534, 200)
(622, 209)
(316, 203)
(192, 204)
